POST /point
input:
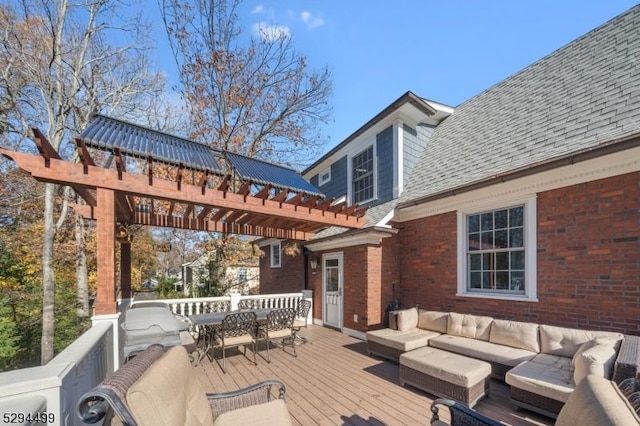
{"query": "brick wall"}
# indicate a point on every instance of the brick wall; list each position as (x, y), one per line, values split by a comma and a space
(288, 278)
(588, 260)
(370, 277)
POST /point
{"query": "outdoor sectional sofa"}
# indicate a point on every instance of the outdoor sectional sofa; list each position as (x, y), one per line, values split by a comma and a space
(541, 363)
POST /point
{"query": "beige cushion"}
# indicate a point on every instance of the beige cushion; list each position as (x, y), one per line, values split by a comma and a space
(472, 326)
(243, 339)
(280, 334)
(271, 413)
(523, 335)
(401, 340)
(566, 341)
(595, 357)
(433, 320)
(597, 401)
(407, 319)
(480, 349)
(447, 366)
(546, 375)
(168, 393)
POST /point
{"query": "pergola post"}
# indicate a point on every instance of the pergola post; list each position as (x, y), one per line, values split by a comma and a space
(106, 254)
(125, 269)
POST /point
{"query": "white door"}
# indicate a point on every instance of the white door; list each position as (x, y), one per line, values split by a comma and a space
(332, 287)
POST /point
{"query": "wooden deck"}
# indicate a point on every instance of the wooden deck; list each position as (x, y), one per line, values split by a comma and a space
(334, 382)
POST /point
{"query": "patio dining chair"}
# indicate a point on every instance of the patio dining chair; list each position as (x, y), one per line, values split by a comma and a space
(248, 304)
(279, 326)
(302, 314)
(236, 329)
(217, 306)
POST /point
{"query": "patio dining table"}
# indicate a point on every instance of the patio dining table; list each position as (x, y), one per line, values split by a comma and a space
(209, 322)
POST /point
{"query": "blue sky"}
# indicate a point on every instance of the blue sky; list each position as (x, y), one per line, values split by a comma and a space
(447, 51)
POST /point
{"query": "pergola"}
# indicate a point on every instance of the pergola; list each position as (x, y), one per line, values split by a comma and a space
(157, 179)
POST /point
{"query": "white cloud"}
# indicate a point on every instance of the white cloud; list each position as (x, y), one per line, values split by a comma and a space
(258, 9)
(310, 20)
(271, 32)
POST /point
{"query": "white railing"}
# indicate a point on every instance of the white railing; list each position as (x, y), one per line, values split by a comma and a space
(56, 387)
(193, 306)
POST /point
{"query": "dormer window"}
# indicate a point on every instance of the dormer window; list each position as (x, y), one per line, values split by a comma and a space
(362, 176)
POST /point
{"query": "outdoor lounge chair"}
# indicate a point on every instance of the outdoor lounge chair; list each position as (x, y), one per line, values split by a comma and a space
(161, 389)
(237, 329)
(279, 326)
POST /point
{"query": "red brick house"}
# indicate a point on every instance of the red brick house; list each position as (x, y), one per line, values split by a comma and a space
(522, 203)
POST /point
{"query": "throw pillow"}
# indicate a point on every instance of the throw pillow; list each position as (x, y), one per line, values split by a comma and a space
(407, 319)
(594, 357)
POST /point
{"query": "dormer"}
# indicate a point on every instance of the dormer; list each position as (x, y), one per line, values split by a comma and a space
(371, 166)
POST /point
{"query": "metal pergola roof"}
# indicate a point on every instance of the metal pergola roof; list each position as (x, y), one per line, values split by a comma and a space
(128, 139)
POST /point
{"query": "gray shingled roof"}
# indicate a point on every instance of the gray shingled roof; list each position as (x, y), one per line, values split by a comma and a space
(579, 97)
(373, 216)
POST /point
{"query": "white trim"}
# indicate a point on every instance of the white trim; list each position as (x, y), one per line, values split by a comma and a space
(340, 257)
(530, 249)
(627, 161)
(261, 243)
(359, 143)
(324, 172)
(273, 246)
(373, 237)
(398, 158)
(408, 113)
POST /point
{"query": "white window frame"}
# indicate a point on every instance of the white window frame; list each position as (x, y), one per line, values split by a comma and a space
(243, 275)
(374, 172)
(275, 248)
(530, 250)
(326, 171)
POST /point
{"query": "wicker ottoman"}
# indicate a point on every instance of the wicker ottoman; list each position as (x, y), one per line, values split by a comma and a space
(445, 374)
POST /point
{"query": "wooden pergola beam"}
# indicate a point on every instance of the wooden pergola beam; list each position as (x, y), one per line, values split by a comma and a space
(66, 173)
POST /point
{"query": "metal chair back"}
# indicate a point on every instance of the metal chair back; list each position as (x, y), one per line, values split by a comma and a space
(303, 310)
(249, 304)
(217, 306)
(238, 324)
(280, 319)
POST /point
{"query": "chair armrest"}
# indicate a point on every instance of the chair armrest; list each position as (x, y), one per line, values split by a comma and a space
(258, 393)
(109, 397)
(628, 360)
(460, 414)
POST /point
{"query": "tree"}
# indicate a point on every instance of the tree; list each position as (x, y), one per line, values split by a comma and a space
(65, 67)
(257, 98)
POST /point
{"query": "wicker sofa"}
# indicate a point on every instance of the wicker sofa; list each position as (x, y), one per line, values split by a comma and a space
(596, 401)
(161, 388)
(537, 361)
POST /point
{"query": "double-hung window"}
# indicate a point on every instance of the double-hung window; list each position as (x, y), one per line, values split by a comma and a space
(497, 252)
(275, 255)
(362, 176)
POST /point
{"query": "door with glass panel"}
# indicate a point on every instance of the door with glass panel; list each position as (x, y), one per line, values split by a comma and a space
(332, 289)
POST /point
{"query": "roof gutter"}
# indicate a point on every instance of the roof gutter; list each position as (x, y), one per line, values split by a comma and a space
(565, 160)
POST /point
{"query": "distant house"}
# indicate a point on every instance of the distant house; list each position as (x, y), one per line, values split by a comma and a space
(241, 276)
(523, 202)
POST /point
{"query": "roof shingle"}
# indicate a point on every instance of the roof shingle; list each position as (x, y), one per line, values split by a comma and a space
(581, 96)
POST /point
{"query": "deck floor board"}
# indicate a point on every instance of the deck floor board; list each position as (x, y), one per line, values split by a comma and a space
(334, 382)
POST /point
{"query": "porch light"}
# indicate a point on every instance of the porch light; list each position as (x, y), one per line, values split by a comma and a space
(313, 263)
